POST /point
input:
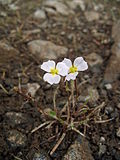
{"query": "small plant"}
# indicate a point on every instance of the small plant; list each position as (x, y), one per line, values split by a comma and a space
(74, 116)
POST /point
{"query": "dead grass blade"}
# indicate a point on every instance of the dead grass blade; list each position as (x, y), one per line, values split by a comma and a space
(57, 144)
(40, 126)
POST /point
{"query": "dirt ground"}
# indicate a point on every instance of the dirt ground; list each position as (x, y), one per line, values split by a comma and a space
(18, 66)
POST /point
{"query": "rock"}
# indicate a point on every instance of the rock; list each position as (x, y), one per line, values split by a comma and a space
(16, 118)
(93, 95)
(115, 31)
(79, 150)
(32, 88)
(102, 139)
(77, 3)
(5, 1)
(91, 16)
(108, 110)
(108, 86)
(16, 139)
(3, 14)
(41, 155)
(118, 106)
(112, 71)
(58, 7)
(102, 149)
(94, 59)
(118, 132)
(46, 49)
(50, 12)
(7, 51)
(13, 7)
(40, 14)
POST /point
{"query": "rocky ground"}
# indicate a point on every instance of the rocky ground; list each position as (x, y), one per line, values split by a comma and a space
(33, 31)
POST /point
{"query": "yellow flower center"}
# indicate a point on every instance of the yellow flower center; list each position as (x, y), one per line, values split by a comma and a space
(54, 71)
(73, 69)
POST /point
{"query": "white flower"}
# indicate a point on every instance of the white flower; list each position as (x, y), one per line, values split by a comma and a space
(78, 65)
(54, 71)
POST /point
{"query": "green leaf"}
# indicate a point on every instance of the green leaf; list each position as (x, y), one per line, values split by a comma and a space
(52, 114)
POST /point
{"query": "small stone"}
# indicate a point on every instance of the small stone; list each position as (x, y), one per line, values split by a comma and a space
(79, 150)
(13, 7)
(108, 110)
(6, 50)
(3, 14)
(115, 31)
(112, 70)
(94, 59)
(94, 95)
(32, 88)
(5, 1)
(102, 139)
(41, 155)
(16, 139)
(118, 132)
(118, 106)
(46, 49)
(40, 14)
(102, 149)
(62, 33)
(77, 3)
(16, 118)
(108, 86)
(92, 16)
(59, 8)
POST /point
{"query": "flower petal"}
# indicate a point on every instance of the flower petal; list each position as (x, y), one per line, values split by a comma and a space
(56, 79)
(71, 76)
(62, 69)
(80, 64)
(67, 62)
(52, 79)
(46, 66)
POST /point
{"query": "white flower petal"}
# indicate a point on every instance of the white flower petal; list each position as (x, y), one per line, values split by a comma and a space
(62, 69)
(80, 64)
(67, 62)
(46, 66)
(71, 76)
(56, 79)
(52, 79)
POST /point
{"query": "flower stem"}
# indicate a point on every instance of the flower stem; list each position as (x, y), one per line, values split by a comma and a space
(75, 84)
(72, 94)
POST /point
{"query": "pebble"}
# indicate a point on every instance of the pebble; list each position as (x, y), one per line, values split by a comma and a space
(77, 3)
(13, 7)
(91, 16)
(46, 49)
(108, 86)
(6, 50)
(118, 132)
(79, 150)
(5, 1)
(118, 106)
(112, 70)
(94, 95)
(41, 155)
(16, 118)
(16, 139)
(94, 59)
(102, 149)
(108, 110)
(40, 14)
(59, 8)
(32, 88)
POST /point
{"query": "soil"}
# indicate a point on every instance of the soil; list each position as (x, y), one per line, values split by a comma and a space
(24, 67)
